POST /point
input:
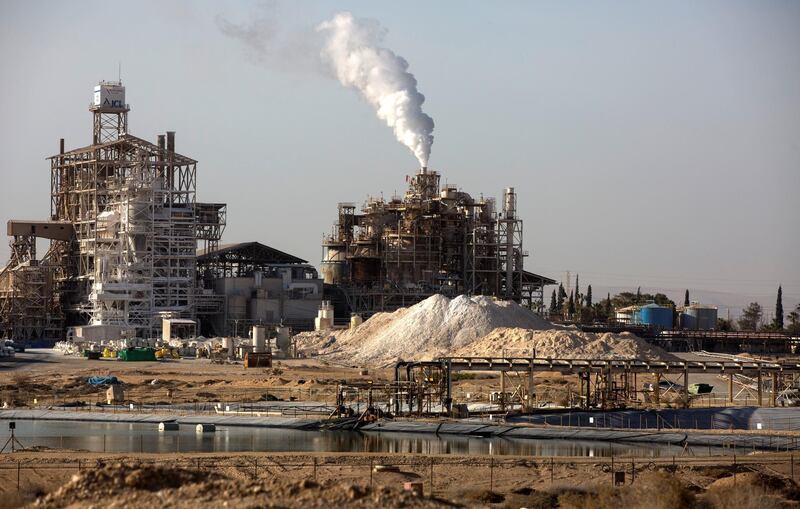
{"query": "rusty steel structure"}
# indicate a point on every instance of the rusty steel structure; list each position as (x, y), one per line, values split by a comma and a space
(434, 239)
(427, 386)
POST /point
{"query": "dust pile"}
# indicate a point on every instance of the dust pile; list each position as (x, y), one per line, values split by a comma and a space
(129, 486)
(439, 326)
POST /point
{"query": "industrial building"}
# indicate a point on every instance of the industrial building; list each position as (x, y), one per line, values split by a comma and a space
(432, 240)
(249, 283)
(124, 229)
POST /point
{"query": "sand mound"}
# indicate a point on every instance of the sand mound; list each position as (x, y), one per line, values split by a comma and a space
(439, 326)
(563, 344)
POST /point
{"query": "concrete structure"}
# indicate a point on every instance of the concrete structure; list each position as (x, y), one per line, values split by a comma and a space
(250, 284)
(177, 328)
(325, 315)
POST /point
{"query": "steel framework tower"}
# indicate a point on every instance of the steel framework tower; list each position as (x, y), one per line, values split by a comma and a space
(132, 206)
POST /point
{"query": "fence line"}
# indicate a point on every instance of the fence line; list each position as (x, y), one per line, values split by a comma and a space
(365, 468)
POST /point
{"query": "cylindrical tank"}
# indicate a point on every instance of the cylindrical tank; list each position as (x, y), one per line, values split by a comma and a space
(282, 341)
(355, 320)
(228, 346)
(699, 317)
(259, 339)
(656, 316)
(334, 263)
(326, 310)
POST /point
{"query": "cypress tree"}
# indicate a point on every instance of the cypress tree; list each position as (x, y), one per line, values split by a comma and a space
(553, 302)
(577, 291)
(562, 294)
(638, 295)
(686, 298)
(608, 305)
(589, 296)
(571, 305)
(779, 310)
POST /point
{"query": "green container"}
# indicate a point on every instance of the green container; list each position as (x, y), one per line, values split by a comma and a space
(137, 354)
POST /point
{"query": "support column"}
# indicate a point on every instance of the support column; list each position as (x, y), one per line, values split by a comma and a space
(603, 388)
(760, 400)
(502, 391)
(685, 387)
(775, 388)
(588, 378)
(449, 397)
(730, 388)
(530, 387)
(657, 390)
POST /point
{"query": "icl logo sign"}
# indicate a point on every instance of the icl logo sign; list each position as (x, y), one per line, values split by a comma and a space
(116, 103)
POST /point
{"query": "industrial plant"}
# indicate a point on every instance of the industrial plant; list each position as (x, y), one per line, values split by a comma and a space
(124, 228)
(434, 240)
(131, 246)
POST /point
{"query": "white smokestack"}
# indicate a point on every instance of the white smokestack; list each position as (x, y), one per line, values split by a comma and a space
(352, 47)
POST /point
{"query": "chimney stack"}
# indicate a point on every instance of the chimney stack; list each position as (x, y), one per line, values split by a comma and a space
(61, 146)
(170, 141)
(161, 141)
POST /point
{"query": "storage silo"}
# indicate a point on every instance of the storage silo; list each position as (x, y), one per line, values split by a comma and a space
(699, 317)
(656, 316)
(334, 262)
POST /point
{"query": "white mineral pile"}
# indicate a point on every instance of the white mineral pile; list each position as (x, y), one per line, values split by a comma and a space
(563, 344)
(467, 326)
(432, 328)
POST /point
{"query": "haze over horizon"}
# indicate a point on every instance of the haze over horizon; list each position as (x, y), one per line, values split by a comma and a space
(650, 145)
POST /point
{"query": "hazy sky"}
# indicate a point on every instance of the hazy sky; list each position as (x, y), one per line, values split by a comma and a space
(652, 144)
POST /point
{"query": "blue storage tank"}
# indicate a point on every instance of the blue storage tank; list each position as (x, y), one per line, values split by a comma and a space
(656, 316)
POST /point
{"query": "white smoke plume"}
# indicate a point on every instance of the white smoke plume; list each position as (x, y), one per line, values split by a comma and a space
(353, 49)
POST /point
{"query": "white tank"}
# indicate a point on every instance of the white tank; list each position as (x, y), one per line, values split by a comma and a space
(326, 310)
(259, 339)
(229, 346)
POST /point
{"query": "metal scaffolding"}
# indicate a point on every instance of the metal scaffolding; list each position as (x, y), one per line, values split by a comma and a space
(432, 240)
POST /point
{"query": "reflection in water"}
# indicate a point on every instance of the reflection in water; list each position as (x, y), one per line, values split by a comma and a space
(130, 437)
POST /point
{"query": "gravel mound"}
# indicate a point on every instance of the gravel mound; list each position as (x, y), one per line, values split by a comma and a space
(132, 486)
